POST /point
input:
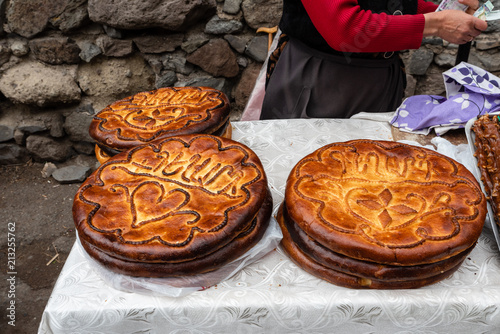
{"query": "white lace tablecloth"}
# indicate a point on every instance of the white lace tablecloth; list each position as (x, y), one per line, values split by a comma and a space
(273, 295)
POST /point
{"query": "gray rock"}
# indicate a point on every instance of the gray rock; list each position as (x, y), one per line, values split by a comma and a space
(112, 32)
(32, 127)
(9, 121)
(218, 26)
(47, 149)
(112, 47)
(55, 124)
(89, 51)
(487, 41)
(262, 13)
(77, 126)
(19, 47)
(55, 50)
(19, 137)
(42, 85)
(217, 83)
(6, 132)
(231, 6)
(158, 43)
(85, 160)
(432, 40)
(71, 174)
(84, 147)
(432, 83)
(493, 26)
(177, 63)
(48, 169)
(419, 61)
(115, 77)
(5, 52)
(12, 154)
(446, 59)
(490, 62)
(30, 17)
(243, 61)
(174, 15)
(194, 41)
(86, 108)
(166, 79)
(73, 16)
(237, 42)
(155, 62)
(257, 48)
(216, 58)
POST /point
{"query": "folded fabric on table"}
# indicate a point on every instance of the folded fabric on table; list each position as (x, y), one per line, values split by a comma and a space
(470, 92)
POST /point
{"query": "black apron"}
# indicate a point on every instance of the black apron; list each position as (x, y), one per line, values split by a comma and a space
(307, 83)
(310, 79)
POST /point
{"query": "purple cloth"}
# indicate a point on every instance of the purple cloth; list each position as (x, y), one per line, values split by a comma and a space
(470, 92)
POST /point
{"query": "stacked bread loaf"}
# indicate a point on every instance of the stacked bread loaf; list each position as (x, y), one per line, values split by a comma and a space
(380, 215)
(148, 116)
(181, 205)
(487, 142)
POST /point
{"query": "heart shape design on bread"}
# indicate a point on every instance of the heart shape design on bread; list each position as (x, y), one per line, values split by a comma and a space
(157, 192)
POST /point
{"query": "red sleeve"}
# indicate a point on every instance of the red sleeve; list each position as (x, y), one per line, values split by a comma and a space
(348, 28)
(426, 7)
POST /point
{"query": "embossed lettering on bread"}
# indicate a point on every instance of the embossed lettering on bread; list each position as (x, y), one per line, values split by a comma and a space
(147, 116)
(381, 202)
(182, 205)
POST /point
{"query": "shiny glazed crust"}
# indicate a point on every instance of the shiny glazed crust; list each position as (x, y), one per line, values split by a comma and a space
(172, 200)
(487, 142)
(386, 202)
(239, 246)
(103, 154)
(148, 116)
(339, 278)
(368, 270)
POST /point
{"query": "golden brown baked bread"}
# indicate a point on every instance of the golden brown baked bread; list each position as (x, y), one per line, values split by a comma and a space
(147, 116)
(174, 200)
(339, 278)
(368, 270)
(386, 202)
(236, 248)
(101, 156)
(487, 142)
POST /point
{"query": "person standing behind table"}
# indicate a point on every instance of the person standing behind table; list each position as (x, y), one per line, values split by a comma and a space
(336, 58)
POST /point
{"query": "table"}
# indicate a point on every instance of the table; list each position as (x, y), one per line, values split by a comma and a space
(272, 295)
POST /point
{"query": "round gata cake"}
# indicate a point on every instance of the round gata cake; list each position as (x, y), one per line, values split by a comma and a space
(380, 214)
(164, 112)
(182, 205)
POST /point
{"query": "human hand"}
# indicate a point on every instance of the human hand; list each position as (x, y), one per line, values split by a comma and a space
(453, 26)
(472, 5)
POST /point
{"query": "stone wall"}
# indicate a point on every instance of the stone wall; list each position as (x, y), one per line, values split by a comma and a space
(61, 61)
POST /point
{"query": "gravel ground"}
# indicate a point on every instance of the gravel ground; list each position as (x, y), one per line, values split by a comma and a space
(35, 214)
